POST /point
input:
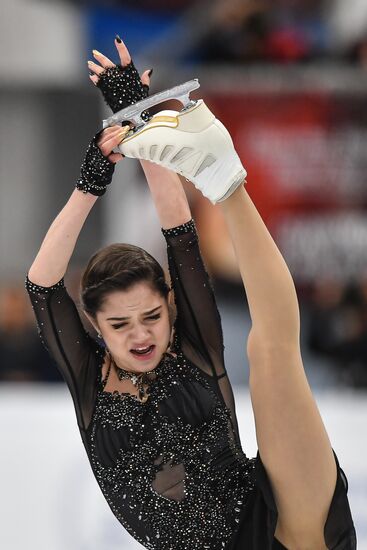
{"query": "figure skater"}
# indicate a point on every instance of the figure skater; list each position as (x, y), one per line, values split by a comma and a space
(153, 401)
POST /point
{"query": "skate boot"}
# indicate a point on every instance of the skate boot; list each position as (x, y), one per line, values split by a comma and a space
(191, 142)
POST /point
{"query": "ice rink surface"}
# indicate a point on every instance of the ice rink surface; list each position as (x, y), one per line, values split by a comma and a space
(51, 501)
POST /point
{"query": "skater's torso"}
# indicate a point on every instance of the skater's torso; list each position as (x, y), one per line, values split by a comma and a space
(170, 468)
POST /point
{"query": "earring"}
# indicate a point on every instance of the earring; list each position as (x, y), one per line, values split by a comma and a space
(99, 335)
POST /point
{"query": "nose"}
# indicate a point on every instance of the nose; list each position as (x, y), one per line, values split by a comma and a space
(140, 334)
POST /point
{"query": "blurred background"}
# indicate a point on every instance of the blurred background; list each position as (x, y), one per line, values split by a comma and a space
(289, 80)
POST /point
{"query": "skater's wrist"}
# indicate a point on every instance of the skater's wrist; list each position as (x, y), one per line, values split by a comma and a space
(90, 188)
(96, 171)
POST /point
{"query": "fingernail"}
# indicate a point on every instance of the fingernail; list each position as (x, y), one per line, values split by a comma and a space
(96, 52)
(90, 62)
(150, 72)
(118, 39)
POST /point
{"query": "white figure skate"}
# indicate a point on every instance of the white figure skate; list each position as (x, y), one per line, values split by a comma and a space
(191, 142)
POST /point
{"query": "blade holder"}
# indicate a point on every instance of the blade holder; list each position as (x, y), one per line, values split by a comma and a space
(133, 112)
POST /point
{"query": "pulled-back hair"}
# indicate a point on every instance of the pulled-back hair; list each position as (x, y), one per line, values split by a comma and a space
(118, 267)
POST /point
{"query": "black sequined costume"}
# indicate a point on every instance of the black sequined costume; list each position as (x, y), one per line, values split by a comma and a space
(172, 468)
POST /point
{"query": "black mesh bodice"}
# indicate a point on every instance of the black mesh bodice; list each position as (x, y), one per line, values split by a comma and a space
(172, 468)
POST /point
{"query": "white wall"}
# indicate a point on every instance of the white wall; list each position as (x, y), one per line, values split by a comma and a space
(41, 42)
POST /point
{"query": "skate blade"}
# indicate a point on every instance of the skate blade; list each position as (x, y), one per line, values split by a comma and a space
(133, 112)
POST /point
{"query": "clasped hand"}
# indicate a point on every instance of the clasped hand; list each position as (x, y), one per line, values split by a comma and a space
(129, 90)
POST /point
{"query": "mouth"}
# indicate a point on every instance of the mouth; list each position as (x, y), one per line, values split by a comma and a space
(143, 353)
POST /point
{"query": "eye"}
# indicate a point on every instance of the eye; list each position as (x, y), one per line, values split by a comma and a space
(154, 317)
(150, 318)
(119, 325)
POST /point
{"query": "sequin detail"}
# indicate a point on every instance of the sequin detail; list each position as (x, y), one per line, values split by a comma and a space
(183, 229)
(121, 87)
(186, 227)
(96, 171)
(37, 289)
(215, 477)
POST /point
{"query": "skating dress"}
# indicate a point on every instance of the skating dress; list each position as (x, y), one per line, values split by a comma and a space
(172, 468)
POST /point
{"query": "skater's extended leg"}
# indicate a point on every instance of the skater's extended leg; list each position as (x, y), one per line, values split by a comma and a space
(292, 440)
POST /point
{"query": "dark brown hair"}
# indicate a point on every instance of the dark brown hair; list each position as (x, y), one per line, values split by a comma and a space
(118, 267)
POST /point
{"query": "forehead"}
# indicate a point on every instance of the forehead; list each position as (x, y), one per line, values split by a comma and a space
(139, 297)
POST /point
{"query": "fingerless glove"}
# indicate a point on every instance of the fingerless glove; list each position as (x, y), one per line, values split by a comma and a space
(96, 171)
(121, 87)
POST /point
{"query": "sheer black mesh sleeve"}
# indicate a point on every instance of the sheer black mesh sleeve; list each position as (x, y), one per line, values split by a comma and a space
(77, 355)
(198, 328)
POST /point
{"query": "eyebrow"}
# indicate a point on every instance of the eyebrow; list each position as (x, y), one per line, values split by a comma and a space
(126, 318)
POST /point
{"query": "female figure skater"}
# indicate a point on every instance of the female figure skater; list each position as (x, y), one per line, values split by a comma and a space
(156, 414)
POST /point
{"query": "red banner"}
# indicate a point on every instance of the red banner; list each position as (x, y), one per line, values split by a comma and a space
(307, 169)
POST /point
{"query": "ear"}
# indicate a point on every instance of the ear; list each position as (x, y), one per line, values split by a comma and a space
(92, 321)
(172, 312)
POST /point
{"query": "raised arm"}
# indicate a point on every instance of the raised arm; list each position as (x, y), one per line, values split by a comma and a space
(76, 354)
(198, 324)
(97, 169)
(198, 329)
(168, 195)
(52, 260)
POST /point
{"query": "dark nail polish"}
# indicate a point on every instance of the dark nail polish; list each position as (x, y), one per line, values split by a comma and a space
(118, 39)
(150, 72)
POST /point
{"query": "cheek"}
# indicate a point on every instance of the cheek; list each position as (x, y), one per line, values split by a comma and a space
(163, 331)
(114, 339)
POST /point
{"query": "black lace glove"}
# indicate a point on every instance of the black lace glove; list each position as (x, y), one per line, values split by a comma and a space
(121, 87)
(96, 171)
